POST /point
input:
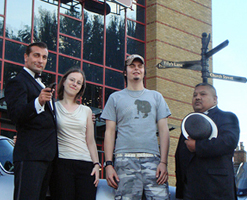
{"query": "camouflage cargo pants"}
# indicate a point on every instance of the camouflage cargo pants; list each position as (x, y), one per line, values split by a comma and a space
(137, 176)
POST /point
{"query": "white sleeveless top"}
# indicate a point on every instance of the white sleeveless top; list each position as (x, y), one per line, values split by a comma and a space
(71, 133)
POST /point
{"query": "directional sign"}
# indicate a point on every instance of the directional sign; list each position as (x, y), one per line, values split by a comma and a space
(227, 77)
(169, 64)
(202, 65)
(218, 48)
(194, 65)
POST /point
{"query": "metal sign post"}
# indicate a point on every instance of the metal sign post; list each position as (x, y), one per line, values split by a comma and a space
(202, 65)
(204, 60)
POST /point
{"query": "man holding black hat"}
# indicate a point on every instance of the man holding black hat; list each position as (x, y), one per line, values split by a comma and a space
(139, 164)
(204, 168)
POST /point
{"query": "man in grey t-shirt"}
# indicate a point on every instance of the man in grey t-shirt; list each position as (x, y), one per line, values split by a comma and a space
(136, 112)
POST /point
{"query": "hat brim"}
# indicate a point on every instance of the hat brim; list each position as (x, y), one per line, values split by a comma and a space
(214, 132)
(132, 57)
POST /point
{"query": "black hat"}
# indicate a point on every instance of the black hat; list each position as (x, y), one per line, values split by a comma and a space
(198, 126)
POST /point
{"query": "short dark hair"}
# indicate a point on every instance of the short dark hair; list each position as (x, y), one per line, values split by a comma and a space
(60, 89)
(207, 85)
(37, 44)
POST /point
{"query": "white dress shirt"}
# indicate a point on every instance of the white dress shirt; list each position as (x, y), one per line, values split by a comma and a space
(38, 107)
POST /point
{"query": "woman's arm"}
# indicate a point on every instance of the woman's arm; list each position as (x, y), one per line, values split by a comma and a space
(91, 144)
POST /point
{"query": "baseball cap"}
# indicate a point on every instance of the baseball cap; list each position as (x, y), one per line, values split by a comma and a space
(132, 57)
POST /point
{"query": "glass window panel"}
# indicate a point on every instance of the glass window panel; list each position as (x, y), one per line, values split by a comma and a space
(1, 26)
(14, 52)
(93, 73)
(4, 115)
(72, 9)
(9, 134)
(51, 1)
(70, 26)
(108, 92)
(137, 13)
(92, 96)
(59, 78)
(45, 23)
(115, 41)
(7, 125)
(142, 2)
(115, 9)
(135, 47)
(93, 37)
(66, 63)
(10, 70)
(48, 78)
(1, 47)
(70, 46)
(3, 103)
(0, 69)
(114, 79)
(51, 62)
(135, 30)
(18, 20)
(1, 7)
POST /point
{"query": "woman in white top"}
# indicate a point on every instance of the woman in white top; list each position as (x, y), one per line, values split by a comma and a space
(78, 163)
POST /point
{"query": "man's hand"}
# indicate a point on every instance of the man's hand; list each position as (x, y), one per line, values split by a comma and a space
(191, 144)
(45, 95)
(111, 176)
(161, 174)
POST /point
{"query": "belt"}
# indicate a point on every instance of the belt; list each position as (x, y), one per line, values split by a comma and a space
(136, 155)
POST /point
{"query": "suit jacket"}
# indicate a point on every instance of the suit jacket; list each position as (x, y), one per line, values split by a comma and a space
(37, 136)
(209, 172)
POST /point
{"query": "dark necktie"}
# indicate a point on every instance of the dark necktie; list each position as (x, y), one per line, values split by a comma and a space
(38, 76)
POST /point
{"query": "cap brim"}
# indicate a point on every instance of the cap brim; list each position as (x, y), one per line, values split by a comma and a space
(214, 132)
(132, 57)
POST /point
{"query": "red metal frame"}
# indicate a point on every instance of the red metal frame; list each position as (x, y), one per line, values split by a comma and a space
(57, 53)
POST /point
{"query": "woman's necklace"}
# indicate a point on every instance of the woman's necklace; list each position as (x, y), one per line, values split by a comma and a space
(131, 91)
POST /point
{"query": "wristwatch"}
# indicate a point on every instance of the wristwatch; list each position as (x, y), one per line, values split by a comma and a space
(109, 162)
(97, 163)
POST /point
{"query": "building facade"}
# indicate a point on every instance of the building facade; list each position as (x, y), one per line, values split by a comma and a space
(173, 33)
(97, 36)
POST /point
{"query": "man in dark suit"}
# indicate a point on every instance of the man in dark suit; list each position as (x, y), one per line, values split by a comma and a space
(204, 168)
(31, 108)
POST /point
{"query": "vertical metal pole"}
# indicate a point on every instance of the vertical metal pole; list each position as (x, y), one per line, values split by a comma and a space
(204, 59)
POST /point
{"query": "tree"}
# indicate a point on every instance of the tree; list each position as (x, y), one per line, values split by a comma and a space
(45, 28)
(93, 38)
(115, 44)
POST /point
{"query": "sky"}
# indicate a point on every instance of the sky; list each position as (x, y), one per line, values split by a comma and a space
(229, 19)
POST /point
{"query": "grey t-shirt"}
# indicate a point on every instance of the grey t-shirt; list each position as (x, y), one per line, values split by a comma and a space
(136, 114)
